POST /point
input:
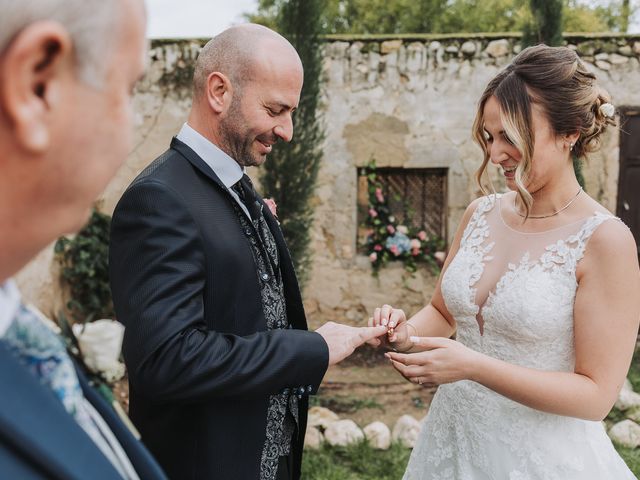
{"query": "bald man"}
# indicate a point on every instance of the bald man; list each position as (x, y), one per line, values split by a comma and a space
(220, 360)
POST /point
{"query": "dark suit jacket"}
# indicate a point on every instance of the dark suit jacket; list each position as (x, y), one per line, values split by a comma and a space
(40, 440)
(201, 361)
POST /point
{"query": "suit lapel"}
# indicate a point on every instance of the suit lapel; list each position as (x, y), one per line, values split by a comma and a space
(295, 308)
(35, 424)
(197, 162)
(144, 464)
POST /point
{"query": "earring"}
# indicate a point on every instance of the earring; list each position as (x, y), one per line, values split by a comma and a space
(571, 146)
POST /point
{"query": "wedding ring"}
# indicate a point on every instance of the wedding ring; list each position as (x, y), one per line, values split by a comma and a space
(390, 332)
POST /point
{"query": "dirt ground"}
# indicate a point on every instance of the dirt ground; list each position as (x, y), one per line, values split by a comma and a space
(365, 388)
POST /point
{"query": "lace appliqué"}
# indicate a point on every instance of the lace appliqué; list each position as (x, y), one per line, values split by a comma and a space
(474, 433)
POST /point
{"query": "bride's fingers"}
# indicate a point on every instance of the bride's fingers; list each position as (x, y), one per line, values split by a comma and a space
(408, 371)
(385, 314)
(376, 317)
(396, 317)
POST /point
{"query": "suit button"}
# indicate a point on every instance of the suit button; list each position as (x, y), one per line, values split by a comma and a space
(285, 391)
(265, 277)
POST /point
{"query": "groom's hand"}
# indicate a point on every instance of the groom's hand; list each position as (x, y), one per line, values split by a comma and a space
(342, 340)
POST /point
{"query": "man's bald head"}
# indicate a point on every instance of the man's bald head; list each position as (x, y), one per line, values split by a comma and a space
(237, 53)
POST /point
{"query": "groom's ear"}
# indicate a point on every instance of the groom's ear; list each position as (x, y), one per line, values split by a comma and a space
(219, 92)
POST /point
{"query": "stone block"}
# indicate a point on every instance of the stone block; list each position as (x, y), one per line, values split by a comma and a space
(498, 48)
(390, 46)
(406, 431)
(626, 433)
(468, 48)
(321, 417)
(313, 438)
(378, 435)
(343, 433)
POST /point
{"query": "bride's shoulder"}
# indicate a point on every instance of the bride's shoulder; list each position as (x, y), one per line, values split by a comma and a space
(482, 205)
(607, 236)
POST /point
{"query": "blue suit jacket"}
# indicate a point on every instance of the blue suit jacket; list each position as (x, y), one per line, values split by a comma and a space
(39, 439)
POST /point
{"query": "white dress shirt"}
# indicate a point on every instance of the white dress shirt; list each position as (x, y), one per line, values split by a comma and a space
(226, 168)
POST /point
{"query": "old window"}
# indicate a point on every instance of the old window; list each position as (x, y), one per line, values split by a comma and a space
(416, 197)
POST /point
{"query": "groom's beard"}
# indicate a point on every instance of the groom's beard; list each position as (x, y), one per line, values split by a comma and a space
(237, 139)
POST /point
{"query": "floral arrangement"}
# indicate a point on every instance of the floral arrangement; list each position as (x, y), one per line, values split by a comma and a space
(386, 240)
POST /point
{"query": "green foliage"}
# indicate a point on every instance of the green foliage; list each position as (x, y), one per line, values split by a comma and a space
(455, 16)
(355, 462)
(387, 241)
(290, 173)
(546, 23)
(84, 259)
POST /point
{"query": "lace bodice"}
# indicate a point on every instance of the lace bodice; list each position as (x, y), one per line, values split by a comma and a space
(520, 288)
(512, 295)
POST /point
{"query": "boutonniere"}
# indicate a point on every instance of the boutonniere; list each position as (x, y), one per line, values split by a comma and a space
(270, 202)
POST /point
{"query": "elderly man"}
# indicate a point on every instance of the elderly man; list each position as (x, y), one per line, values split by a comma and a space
(220, 360)
(67, 69)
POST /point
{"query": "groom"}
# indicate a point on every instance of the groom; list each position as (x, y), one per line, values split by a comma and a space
(216, 343)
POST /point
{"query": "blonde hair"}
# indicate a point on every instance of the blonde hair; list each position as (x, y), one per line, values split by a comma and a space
(557, 81)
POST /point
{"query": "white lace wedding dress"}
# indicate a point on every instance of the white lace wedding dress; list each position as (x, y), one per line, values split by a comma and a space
(526, 286)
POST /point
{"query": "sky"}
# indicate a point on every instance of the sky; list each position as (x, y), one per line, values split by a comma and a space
(206, 18)
(195, 18)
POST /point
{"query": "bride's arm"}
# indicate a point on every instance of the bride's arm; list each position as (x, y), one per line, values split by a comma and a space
(606, 316)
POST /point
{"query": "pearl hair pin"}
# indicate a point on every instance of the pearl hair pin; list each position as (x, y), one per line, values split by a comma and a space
(607, 110)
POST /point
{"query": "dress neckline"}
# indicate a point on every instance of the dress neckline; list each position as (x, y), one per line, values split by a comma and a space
(583, 220)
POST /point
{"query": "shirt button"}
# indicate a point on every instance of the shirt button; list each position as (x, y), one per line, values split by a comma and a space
(247, 232)
(265, 277)
(309, 388)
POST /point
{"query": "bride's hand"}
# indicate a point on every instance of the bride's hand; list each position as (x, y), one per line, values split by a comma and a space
(395, 320)
(441, 361)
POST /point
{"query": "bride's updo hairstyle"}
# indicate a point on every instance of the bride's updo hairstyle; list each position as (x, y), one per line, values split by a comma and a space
(556, 80)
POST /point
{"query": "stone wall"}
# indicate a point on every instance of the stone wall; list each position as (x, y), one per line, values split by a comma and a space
(407, 101)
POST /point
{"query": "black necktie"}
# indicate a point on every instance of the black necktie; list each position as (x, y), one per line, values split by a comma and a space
(246, 192)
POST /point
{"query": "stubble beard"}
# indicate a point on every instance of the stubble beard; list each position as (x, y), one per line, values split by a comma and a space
(237, 144)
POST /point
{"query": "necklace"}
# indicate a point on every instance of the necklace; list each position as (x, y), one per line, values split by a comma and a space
(551, 214)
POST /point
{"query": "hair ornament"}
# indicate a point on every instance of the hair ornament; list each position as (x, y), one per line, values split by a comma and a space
(607, 110)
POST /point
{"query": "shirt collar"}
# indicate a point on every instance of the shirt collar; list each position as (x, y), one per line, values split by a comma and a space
(225, 167)
(9, 304)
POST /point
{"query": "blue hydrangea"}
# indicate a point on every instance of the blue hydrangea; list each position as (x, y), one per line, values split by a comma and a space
(400, 240)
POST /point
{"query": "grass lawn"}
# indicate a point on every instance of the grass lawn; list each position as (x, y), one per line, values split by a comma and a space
(361, 462)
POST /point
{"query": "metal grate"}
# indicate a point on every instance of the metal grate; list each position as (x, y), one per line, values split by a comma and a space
(416, 197)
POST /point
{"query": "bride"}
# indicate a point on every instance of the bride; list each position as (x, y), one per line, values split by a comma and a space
(541, 287)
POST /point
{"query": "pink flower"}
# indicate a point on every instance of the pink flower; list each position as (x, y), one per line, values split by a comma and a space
(391, 229)
(373, 257)
(440, 256)
(270, 202)
(415, 244)
(373, 213)
(415, 252)
(422, 235)
(377, 247)
(394, 250)
(379, 195)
